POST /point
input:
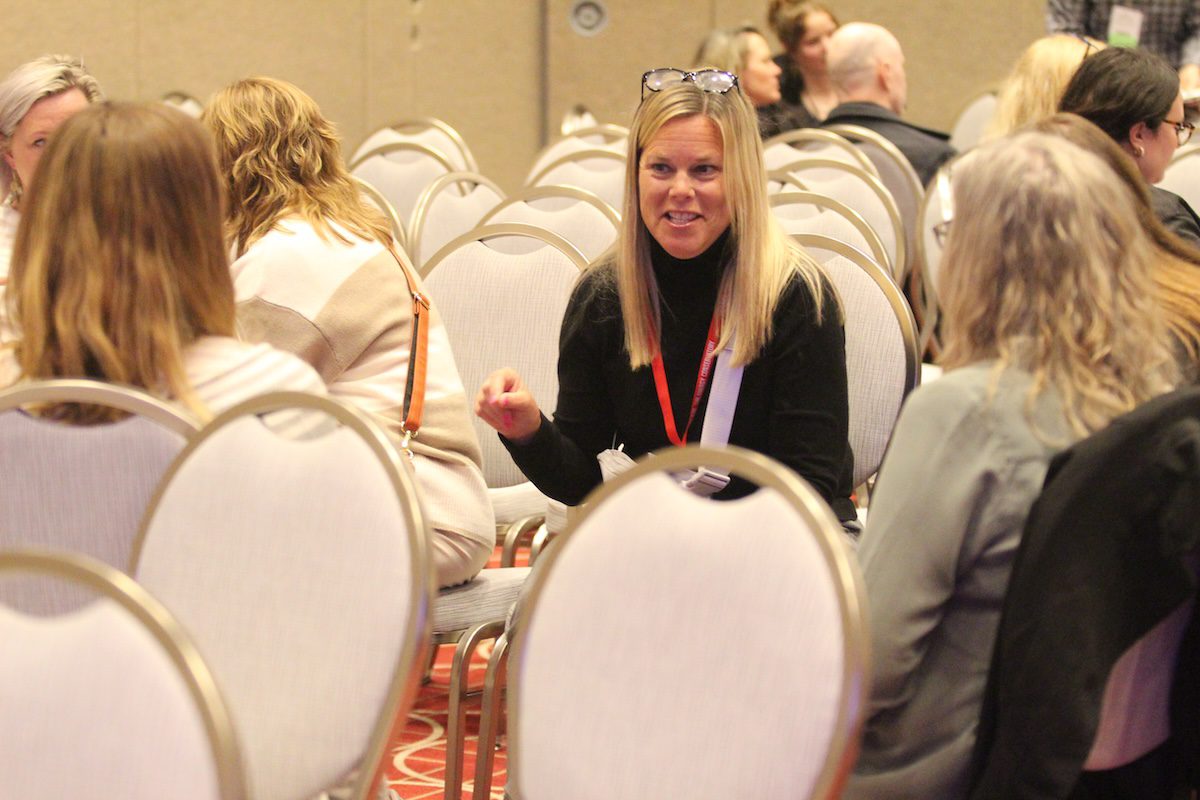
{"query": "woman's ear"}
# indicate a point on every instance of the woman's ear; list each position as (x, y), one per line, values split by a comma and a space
(1140, 136)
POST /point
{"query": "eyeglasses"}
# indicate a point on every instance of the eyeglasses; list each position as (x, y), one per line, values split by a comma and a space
(1183, 130)
(1089, 45)
(941, 231)
(708, 80)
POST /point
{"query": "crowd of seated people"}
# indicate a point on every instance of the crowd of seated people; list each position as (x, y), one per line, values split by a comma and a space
(1070, 296)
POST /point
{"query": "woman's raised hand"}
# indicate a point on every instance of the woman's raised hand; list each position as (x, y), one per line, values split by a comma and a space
(504, 403)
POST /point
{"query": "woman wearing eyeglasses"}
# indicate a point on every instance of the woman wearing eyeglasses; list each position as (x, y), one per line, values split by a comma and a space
(699, 265)
(1051, 328)
(1133, 96)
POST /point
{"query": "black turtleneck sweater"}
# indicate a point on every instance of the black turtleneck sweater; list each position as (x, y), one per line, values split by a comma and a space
(792, 405)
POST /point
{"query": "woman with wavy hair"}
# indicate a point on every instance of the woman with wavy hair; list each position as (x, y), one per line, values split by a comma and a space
(1052, 328)
(1034, 88)
(700, 265)
(120, 271)
(316, 275)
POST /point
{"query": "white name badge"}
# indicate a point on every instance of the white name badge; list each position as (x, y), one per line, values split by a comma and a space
(1125, 26)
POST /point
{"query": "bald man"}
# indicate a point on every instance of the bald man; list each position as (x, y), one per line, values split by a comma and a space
(866, 66)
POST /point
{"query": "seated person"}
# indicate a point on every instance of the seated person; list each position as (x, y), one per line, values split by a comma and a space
(1051, 329)
(700, 265)
(804, 28)
(745, 52)
(1133, 96)
(120, 271)
(1032, 91)
(866, 66)
(316, 275)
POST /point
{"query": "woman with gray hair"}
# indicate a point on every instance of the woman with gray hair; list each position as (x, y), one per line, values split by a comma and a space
(35, 98)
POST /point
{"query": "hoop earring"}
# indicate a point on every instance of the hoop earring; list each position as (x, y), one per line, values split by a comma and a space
(1138, 151)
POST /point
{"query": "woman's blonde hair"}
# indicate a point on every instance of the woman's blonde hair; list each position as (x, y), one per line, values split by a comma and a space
(763, 260)
(1051, 273)
(1035, 86)
(1176, 263)
(36, 80)
(282, 158)
(119, 261)
(726, 49)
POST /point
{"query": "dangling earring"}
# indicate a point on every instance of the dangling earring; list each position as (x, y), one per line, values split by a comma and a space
(1138, 151)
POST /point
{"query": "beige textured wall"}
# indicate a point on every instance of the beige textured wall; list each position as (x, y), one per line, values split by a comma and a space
(478, 64)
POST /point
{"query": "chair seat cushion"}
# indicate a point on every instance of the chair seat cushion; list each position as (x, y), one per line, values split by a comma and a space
(485, 598)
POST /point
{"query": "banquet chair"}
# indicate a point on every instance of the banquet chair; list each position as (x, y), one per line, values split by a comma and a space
(112, 700)
(401, 171)
(80, 488)
(500, 308)
(599, 171)
(809, 212)
(789, 146)
(376, 198)
(182, 101)
(613, 138)
(447, 208)
(429, 132)
(972, 121)
(895, 172)
(658, 655)
(855, 188)
(1182, 175)
(300, 566)
(576, 118)
(882, 360)
(579, 216)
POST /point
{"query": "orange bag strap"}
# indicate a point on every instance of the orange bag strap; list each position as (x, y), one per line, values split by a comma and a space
(414, 385)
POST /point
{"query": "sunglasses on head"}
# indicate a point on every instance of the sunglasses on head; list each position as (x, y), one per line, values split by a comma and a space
(708, 80)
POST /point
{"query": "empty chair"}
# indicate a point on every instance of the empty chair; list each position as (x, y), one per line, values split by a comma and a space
(895, 172)
(972, 121)
(809, 212)
(649, 650)
(300, 566)
(429, 132)
(592, 137)
(80, 488)
(579, 216)
(1183, 175)
(789, 146)
(110, 701)
(856, 189)
(601, 172)
(185, 103)
(401, 171)
(882, 359)
(377, 199)
(447, 208)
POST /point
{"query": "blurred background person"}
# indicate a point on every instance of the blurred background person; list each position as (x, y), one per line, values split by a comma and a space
(120, 271)
(316, 275)
(1052, 328)
(1033, 89)
(804, 28)
(1134, 97)
(744, 52)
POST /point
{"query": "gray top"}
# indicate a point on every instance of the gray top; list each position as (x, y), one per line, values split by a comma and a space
(962, 470)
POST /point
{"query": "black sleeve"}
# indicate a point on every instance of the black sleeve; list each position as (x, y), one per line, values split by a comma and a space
(561, 458)
(1175, 213)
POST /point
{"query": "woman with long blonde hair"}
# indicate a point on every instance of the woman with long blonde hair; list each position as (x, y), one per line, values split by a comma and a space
(700, 265)
(1035, 86)
(120, 271)
(1052, 328)
(316, 275)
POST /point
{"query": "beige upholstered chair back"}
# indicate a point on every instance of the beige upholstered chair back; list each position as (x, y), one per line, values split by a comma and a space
(429, 132)
(599, 171)
(300, 567)
(182, 101)
(971, 123)
(401, 171)
(112, 700)
(675, 646)
(809, 212)
(1183, 175)
(79, 488)
(790, 146)
(503, 309)
(613, 138)
(447, 208)
(856, 189)
(882, 361)
(579, 216)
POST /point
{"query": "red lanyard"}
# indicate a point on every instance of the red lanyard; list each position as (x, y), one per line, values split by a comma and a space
(664, 394)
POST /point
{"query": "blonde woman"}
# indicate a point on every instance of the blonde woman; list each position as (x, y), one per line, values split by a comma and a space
(1052, 329)
(699, 260)
(120, 271)
(315, 275)
(1033, 89)
(744, 52)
